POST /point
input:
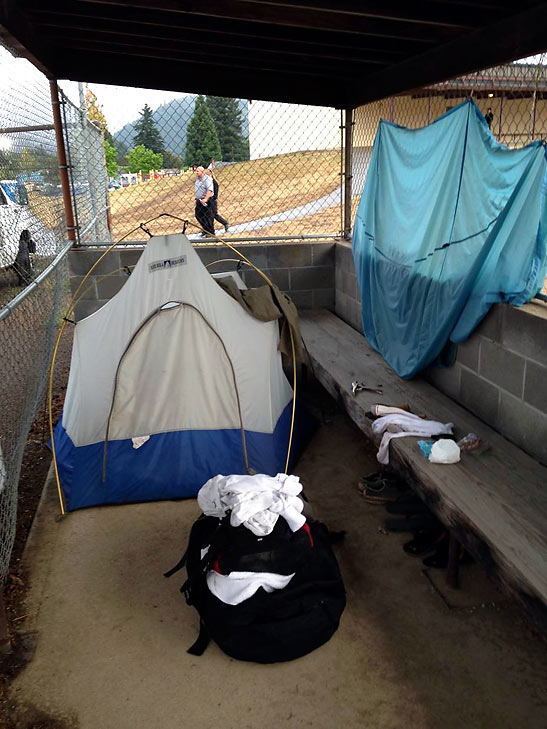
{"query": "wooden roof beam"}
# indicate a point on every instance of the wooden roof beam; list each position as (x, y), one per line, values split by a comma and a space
(286, 16)
(514, 37)
(215, 80)
(65, 14)
(188, 39)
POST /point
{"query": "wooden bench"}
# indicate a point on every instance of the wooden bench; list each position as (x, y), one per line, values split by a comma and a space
(494, 503)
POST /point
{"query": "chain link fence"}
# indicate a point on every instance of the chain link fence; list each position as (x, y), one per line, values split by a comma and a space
(278, 166)
(85, 149)
(512, 97)
(32, 292)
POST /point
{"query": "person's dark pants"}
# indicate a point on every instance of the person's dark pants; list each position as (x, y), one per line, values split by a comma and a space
(216, 214)
(204, 216)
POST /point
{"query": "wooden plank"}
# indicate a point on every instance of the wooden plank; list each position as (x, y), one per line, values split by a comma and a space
(495, 503)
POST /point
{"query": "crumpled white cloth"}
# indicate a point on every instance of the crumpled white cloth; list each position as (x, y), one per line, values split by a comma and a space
(239, 586)
(406, 424)
(254, 501)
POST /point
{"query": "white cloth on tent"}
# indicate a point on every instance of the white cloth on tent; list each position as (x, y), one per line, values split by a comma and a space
(254, 501)
(239, 586)
(405, 424)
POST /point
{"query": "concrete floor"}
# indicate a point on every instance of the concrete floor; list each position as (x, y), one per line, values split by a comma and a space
(112, 633)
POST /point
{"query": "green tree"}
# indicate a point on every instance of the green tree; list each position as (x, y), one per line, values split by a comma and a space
(202, 143)
(147, 132)
(226, 114)
(111, 157)
(142, 159)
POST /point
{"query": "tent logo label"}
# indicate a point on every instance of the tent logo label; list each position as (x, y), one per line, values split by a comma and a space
(167, 263)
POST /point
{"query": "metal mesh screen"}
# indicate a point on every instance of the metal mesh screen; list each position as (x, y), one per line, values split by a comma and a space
(85, 149)
(277, 165)
(32, 233)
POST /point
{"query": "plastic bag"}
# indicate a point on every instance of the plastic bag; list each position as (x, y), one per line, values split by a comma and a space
(445, 451)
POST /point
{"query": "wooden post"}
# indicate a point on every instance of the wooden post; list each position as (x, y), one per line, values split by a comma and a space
(63, 166)
(348, 174)
(452, 573)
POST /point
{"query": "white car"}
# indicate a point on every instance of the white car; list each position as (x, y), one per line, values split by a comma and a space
(20, 230)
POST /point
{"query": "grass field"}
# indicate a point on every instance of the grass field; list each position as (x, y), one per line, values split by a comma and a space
(248, 191)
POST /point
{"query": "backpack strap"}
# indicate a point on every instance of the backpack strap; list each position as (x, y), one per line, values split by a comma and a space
(198, 648)
(180, 564)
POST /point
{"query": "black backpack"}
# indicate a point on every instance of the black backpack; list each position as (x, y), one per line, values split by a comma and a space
(267, 627)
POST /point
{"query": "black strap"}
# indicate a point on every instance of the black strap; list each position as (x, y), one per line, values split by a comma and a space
(198, 648)
(180, 564)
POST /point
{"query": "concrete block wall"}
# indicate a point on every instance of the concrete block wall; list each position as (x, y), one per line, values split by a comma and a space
(500, 373)
(348, 299)
(304, 270)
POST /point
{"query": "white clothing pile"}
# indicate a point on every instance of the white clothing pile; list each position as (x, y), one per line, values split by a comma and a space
(402, 424)
(254, 501)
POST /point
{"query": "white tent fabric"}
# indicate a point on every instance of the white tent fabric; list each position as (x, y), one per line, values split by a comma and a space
(161, 357)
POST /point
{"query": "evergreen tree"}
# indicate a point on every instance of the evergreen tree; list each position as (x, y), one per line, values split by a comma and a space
(202, 143)
(226, 113)
(147, 133)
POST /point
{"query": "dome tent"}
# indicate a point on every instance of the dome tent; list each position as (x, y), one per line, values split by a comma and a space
(171, 382)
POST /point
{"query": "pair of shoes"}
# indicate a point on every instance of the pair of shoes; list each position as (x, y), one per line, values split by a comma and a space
(425, 540)
(380, 487)
(411, 523)
(439, 558)
(407, 505)
(226, 227)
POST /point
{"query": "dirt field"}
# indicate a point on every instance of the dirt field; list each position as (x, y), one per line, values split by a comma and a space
(248, 190)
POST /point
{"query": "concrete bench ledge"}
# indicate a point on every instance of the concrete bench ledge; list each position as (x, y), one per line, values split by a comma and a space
(495, 503)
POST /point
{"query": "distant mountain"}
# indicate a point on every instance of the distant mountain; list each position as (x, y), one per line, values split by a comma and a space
(172, 120)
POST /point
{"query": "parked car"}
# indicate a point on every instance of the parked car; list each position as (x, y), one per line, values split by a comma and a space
(114, 185)
(20, 230)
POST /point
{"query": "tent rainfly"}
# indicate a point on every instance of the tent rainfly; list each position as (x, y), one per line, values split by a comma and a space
(171, 382)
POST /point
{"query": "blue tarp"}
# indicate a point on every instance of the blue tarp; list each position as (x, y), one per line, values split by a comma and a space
(450, 222)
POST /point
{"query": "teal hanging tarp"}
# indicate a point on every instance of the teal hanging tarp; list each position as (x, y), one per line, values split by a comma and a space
(450, 222)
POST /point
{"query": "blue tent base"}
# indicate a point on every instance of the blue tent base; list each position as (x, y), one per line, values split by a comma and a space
(171, 465)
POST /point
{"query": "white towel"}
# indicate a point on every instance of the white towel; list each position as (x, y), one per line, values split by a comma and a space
(406, 424)
(239, 586)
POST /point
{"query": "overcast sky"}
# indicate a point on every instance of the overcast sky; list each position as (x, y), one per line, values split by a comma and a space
(120, 104)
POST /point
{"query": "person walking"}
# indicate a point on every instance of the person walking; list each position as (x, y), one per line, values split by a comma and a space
(204, 192)
(489, 116)
(214, 201)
